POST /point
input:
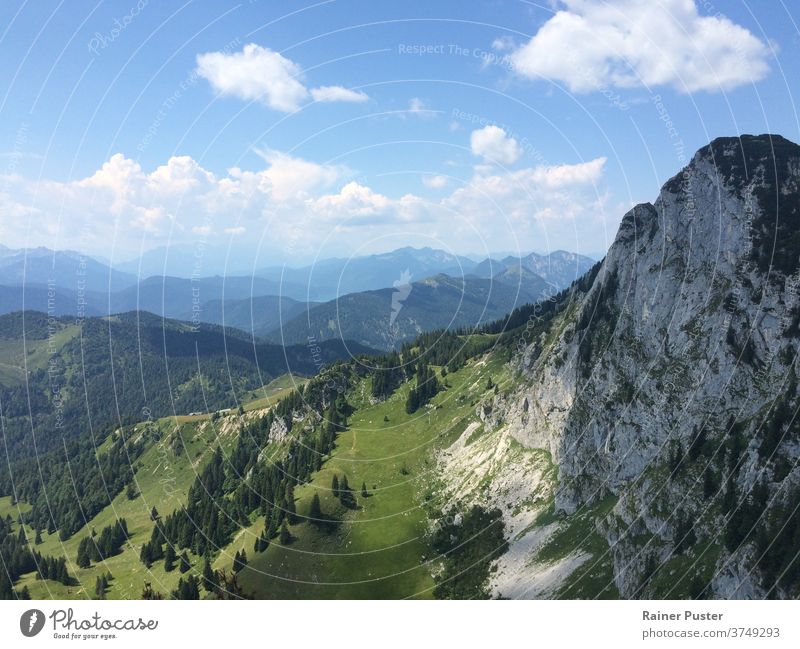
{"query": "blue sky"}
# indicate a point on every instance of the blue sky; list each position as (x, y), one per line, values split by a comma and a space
(297, 129)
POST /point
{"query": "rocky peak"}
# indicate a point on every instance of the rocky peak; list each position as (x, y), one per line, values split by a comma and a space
(690, 329)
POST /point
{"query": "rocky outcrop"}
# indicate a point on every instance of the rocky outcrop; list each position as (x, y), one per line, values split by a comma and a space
(671, 384)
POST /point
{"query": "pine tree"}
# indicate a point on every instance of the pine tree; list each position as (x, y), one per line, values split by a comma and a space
(315, 510)
(209, 577)
(240, 561)
(169, 558)
(146, 555)
(130, 491)
(154, 514)
(187, 588)
(184, 566)
(291, 511)
(364, 493)
(38, 539)
(100, 586)
(335, 485)
(285, 536)
(84, 560)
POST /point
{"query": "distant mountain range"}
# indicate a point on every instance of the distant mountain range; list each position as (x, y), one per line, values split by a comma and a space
(388, 317)
(60, 268)
(71, 379)
(558, 268)
(292, 303)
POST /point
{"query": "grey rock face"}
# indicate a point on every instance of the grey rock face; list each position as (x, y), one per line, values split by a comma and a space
(689, 326)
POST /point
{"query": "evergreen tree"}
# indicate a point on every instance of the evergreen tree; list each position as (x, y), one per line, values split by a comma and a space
(209, 577)
(239, 561)
(154, 514)
(187, 588)
(38, 539)
(315, 509)
(146, 554)
(84, 560)
(364, 493)
(169, 558)
(184, 566)
(335, 485)
(130, 491)
(291, 511)
(285, 536)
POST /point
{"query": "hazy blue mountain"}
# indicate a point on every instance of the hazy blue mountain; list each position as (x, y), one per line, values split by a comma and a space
(176, 297)
(64, 268)
(189, 261)
(388, 317)
(57, 301)
(559, 268)
(258, 315)
(330, 278)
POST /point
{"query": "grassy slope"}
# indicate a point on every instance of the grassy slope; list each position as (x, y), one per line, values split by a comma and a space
(17, 355)
(378, 550)
(375, 551)
(163, 478)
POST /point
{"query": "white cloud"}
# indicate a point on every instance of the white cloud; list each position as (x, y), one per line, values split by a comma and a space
(354, 202)
(255, 74)
(564, 175)
(418, 108)
(287, 176)
(337, 93)
(124, 207)
(593, 44)
(495, 145)
(503, 43)
(260, 74)
(434, 182)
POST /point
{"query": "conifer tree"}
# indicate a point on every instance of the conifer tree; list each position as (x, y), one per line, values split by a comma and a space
(169, 558)
(335, 485)
(364, 493)
(285, 535)
(84, 561)
(209, 577)
(185, 566)
(315, 509)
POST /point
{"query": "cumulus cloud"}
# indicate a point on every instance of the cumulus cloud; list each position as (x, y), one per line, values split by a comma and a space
(418, 108)
(295, 200)
(593, 44)
(337, 93)
(495, 145)
(260, 74)
(434, 182)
